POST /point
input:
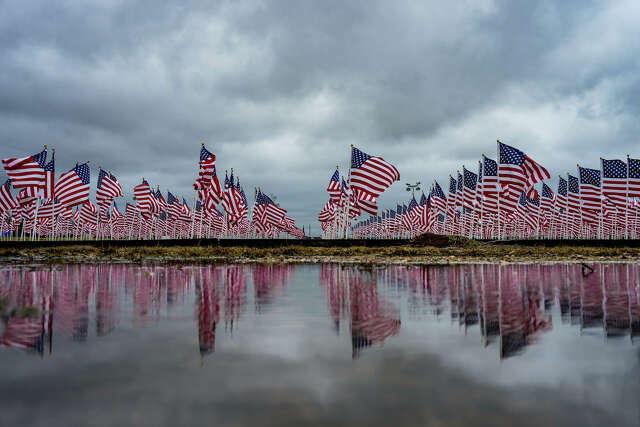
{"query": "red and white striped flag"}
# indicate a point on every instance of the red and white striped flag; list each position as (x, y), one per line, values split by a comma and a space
(26, 171)
(371, 174)
(73, 186)
(7, 201)
(49, 179)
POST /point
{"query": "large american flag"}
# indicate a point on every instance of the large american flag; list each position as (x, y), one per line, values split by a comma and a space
(26, 171)
(518, 169)
(73, 186)
(371, 174)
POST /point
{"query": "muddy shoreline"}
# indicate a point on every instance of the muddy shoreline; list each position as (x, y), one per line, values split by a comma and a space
(471, 252)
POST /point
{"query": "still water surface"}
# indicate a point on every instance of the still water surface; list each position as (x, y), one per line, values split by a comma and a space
(318, 344)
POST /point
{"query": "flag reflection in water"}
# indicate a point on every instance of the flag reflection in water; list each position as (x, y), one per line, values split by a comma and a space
(354, 294)
(71, 294)
(510, 305)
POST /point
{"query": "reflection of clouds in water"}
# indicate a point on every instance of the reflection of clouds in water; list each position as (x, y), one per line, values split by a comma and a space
(427, 330)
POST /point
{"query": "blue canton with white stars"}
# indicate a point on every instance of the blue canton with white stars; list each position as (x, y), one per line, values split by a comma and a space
(614, 169)
(490, 167)
(574, 187)
(589, 176)
(84, 173)
(634, 168)
(562, 186)
(510, 155)
(358, 158)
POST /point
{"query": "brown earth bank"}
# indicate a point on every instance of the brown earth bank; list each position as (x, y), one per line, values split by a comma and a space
(459, 251)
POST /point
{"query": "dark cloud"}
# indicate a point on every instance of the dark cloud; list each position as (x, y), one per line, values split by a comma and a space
(279, 90)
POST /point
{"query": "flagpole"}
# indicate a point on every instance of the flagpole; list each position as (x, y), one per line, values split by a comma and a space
(346, 219)
(626, 202)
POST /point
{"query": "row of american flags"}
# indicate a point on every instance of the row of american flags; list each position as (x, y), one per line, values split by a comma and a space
(511, 304)
(507, 197)
(33, 203)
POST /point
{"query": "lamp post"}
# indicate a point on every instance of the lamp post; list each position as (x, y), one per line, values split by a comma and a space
(413, 187)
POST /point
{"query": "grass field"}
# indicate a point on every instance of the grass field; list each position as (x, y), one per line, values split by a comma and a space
(467, 251)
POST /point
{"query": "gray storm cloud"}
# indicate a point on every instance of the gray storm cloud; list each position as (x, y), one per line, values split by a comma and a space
(278, 90)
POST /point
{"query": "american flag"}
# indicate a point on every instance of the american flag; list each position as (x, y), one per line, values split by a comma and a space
(518, 169)
(207, 167)
(244, 209)
(334, 187)
(524, 213)
(438, 198)
(460, 190)
(562, 192)
(73, 187)
(573, 194)
(115, 214)
(548, 198)
(142, 193)
(634, 177)
(108, 188)
(451, 200)
(273, 214)
(231, 200)
(174, 207)
(26, 171)
(7, 201)
(470, 182)
(614, 181)
(49, 181)
(371, 174)
(185, 212)
(489, 176)
(214, 192)
(590, 193)
(366, 202)
(89, 214)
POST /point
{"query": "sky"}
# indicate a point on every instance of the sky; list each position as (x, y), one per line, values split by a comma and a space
(279, 90)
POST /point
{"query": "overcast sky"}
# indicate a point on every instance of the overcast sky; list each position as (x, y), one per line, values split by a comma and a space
(279, 90)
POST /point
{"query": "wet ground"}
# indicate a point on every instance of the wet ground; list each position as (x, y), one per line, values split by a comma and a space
(252, 344)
